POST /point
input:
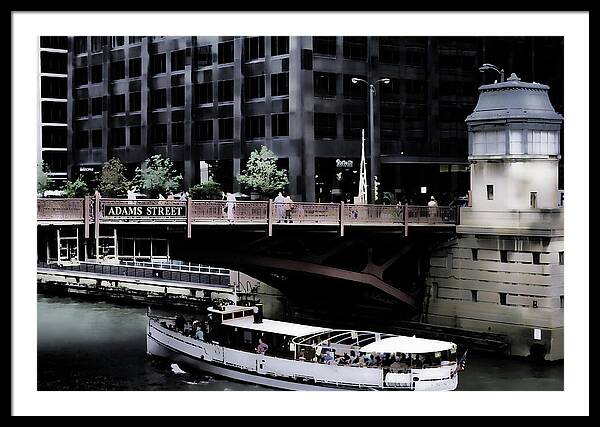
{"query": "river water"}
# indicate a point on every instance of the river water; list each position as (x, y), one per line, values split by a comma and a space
(94, 345)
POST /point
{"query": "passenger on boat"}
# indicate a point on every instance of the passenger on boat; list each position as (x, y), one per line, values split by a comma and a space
(180, 323)
(199, 334)
(353, 358)
(261, 347)
(328, 357)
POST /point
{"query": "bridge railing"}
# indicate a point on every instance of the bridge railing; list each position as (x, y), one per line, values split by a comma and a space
(373, 214)
(430, 215)
(304, 212)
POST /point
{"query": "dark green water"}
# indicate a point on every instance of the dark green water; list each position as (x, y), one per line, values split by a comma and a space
(89, 345)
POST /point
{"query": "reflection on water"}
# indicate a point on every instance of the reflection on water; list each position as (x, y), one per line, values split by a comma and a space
(89, 345)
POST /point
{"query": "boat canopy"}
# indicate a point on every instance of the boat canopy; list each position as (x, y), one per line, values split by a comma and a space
(407, 345)
(274, 326)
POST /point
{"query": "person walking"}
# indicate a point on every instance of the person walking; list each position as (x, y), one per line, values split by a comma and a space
(279, 206)
(230, 205)
(432, 208)
(289, 206)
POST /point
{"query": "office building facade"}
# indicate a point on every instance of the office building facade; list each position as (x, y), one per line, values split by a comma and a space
(207, 102)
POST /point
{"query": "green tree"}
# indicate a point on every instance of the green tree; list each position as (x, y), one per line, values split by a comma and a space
(42, 177)
(261, 173)
(208, 190)
(112, 180)
(76, 188)
(157, 175)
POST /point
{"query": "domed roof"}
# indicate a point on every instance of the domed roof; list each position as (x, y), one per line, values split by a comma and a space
(514, 99)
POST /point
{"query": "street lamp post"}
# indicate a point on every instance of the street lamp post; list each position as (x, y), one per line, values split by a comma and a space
(485, 67)
(374, 147)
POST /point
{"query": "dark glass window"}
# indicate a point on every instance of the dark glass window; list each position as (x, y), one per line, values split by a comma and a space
(203, 93)
(203, 130)
(325, 126)
(81, 108)
(225, 129)
(135, 135)
(54, 112)
(280, 45)
(117, 70)
(54, 87)
(415, 87)
(117, 137)
(390, 92)
(353, 126)
(135, 39)
(357, 90)
(178, 60)
(389, 50)
(158, 99)
(204, 56)
(97, 138)
(355, 48)
(158, 63)
(53, 62)
(135, 101)
(415, 57)
(135, 67)
(54, 42)
(80, 44)
(390, 123)
(255, 127)
(280, 84)
(116, 41)
(81, 139)
(225, 90)
(118, 103)
(178, 133)
(178, 96)
(97, 74)
(80, 76)
(280, 124)
(255, 87)
(254, 48)
(225, 55)
(97, 43)
(97, 106)
(324, 46)
(54, 137)
(158, 134)
(325, 84)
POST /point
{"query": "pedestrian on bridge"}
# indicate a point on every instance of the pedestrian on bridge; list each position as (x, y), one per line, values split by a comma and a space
(433, 211)
(279, 206)
(289, 206)
(230, 205)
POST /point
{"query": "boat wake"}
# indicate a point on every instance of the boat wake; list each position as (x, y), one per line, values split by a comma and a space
(176, 369)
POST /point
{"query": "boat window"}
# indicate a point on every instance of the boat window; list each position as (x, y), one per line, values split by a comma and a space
(247, 337)
(228, 316)
(238, 314)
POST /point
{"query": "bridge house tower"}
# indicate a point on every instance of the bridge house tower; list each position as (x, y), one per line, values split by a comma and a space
(503, 274)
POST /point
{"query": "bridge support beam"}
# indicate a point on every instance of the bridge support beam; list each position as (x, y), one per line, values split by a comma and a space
(270, 218)
(342, 219)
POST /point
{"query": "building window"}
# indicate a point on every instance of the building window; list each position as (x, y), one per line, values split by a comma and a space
(97, 74)
(280, 45)
(324, 46)
(116, 41)
(516, 142)
(354, 125)
(355, 48)
(178, 96)
(178, 133)
(178, 60)
(390, 92)
(475, 254)
(117, 70)
(226, 129)
(203, 130)
(158, 99)
(81, 108)
(54, 112)
(561, 258)
(389, 50)
(225, 54)
(254, 48)
(118, 103)
(533, 199)
(158, 134)
(502, 298)
(135, 135)
(490, 192)
(435, 289)
(543, 142)
(54, 137)
(280, 124)
(158, 64)
(117, 137)
(280, 84)
(97, 106)
(225, 90)
(81, 139)
(203, 93)
(503, 256)
(80, 76)
(255, 127)
(325, 84)
(135, 39)
(489, 142)
(135, 101)
(135, 67)
(536, 257)
(80, 45)
(204, 56)
(415, 58)
(325, 126)
(255, 87)
(390, 124)
(97, 138)
(356, 90)
(97, 43)
(473, 295)
(562, 301)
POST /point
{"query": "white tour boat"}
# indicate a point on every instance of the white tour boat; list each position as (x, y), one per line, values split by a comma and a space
(236, 342)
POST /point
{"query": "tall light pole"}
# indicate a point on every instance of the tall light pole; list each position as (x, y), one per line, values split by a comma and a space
(374, 148)
(485, 67)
